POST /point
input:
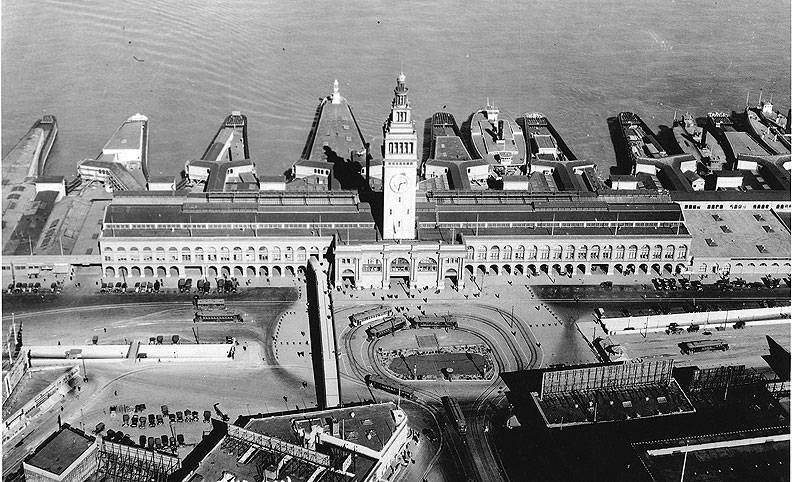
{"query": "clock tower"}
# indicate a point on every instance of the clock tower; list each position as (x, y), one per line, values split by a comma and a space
(399, 168)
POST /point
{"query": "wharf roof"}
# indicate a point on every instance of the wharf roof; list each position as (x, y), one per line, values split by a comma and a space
(482, 132)
(760, 454)
(60, 450)
(450, 148)
(743, 143)
(31, 224)
(745, 232)
(336, 133)
(735, 195)
(132, 181)
(128, 136)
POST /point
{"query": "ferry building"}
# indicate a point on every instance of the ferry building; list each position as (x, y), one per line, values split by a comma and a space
(423, 236)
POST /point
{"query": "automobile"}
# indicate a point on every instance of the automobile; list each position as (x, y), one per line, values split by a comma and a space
(706, 333)
(739, 325)
(179, 416)
(160, 421)
(99, 427)
(684, 283)
(125, 419)
(195, 415)
(672, 282)
(103, 288)
(36, 287)
(117, 288)
(164, 408)
(164, 439)
(137, 287)
(606, 284)
(625, 312)
(123, 287)
(207, 416)
(180, 438)
(657, 284)
(738, 283)
(134, 422)
(156, 286)
(10, 288)
(142, 441)
(151, 420)
(149, 287)
(787, 281)
(757, 285)
(173, 443)
(692, 328)
(719, 328)
(150, 442)
(673, 329)
(696, 284)
(142, 422)
(157, 443)
(172, 417)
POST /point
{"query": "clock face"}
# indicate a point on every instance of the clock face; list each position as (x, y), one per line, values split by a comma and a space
(399, 183)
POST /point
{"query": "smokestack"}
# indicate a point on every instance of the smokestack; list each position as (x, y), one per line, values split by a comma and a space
(500, 130)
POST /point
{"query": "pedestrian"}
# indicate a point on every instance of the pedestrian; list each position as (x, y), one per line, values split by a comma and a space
(115, 392)
(105, 330)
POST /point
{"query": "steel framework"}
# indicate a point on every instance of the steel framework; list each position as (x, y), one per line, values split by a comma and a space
(123, 463)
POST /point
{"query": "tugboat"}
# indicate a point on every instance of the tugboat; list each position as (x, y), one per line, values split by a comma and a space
(691, 138)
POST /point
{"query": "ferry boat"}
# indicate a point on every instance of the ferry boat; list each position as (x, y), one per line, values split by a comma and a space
(542, 139)
(498, 139)
(122, 164)
(641, 142)
(692, 138)
(28, 158)
(768, 132)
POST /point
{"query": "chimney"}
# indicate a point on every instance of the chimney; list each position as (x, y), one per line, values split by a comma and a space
(500, 130)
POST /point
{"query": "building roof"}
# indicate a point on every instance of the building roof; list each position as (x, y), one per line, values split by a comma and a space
(336, 134)
(60, 450)
(745, 232)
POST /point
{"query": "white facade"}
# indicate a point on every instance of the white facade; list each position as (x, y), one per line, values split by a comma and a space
(399, 168)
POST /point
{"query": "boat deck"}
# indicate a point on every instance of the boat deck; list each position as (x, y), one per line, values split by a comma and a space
(483, 134)
(128, 136)
(24, 159)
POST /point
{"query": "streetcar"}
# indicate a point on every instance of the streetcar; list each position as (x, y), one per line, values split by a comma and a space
(455, 412)
(388, 386)
(389, 325)
(208, 303)
(434, 321)
(371, 315)
(222, 317)
(699, 346)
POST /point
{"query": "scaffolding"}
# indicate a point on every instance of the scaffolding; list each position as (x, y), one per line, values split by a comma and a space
(124, 463)
(605, 377)
(272, 444)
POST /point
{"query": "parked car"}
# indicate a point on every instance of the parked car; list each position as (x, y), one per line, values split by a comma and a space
(160, 421)
(692, 328)
(151, 420)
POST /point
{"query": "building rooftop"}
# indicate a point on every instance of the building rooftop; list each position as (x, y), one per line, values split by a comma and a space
(743, 143)
(737, 233)
(60, 450)
(336, 134)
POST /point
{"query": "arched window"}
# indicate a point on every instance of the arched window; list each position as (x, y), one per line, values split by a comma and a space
(669, 252)
(160, 254)
(147, 256)
(657, 252)
(427, 265)
(595, 252)
(607, 252)
(134, 254)
(186, 254)
(682, 252)
(531, 253)
(276, 254)
(494, 253)
(289, 254)
(544, 253)
(173, 254)
(645, 251)
(582, 253)
(481, 252)
(121, 254)
(211, 254)
(199, 254)
(237, 253)
(250, 254)
(520, 254)
(557, 252)
(632, 252)
(620, 252)
(225, 254)
(471, 252)
(507, 252)
(570, 252)
(302, 254)
(263, 254)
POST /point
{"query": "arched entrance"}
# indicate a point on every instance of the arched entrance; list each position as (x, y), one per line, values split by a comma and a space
(193, 272)
(494, 269)
(451, 277)
(251, 272)
(276, 271)
(348, 278)
(667, 267)
(263, 271)
(123, 272)
(519, 270)
(110, 272)
(174, 272)
(507, 269)
(581, 269)
(161, 272)
(238, 271)
(212, 272)
(656, 268)
(135, 272)
(289, 271)
(148, 271)
(225, 271)
(399, 272)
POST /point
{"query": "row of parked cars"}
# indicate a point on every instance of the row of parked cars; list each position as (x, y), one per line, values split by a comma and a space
(673, 284)
(163, 442)
(122, 287)
(18, 288)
